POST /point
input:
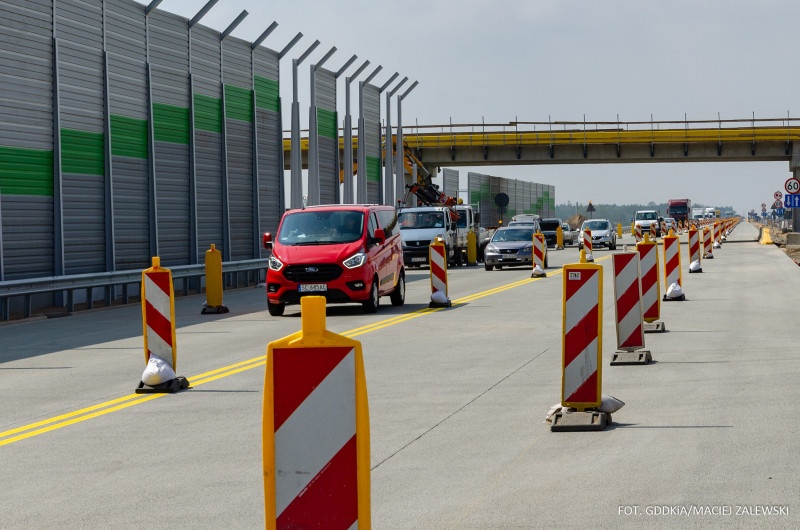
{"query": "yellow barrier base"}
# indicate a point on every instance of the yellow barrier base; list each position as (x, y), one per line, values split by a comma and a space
(766, 239)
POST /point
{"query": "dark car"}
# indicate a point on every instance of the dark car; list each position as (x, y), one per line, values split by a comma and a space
(511, 246)
(549, 227)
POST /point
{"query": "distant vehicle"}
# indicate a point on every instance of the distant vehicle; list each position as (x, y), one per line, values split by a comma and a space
(645, 218)
(679, 209)
(549, 227)
(709, 213)
(510, 246)
(570, 235)
(344, 252)
(697, 213)
(603, 234)
(671, 224)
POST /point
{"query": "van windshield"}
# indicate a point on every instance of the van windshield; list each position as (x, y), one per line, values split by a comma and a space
(646, 216)
(409, 220)
(321, 227)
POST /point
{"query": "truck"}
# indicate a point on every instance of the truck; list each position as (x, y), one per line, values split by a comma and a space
(697, 213)
(419, 225)
(679, 209)
(645, 218)
(709, 213)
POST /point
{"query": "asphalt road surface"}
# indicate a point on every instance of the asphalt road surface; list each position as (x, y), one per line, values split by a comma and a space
(457, 400)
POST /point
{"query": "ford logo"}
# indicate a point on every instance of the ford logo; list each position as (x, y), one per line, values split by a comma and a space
(312, 269)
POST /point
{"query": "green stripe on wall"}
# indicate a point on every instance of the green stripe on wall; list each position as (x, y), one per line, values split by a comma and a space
(170, 123)
(26, 171)
(128, 136)
(326, 123)
(82, 152)
(267, 94)
(238, 103)
(374, 169)
(207, 113)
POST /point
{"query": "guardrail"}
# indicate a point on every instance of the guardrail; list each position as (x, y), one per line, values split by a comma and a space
(60, 291)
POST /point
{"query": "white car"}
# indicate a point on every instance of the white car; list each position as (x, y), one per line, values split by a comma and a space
(603, 234)
(672, 224)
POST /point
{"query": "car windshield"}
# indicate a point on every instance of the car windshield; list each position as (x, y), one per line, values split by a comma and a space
(321, 227)
(548, 224)
(646, 216)
(596, 225)
(513, 234)
(409, 220)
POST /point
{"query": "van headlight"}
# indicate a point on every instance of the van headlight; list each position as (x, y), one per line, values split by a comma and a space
(274, 263)
(356, 260)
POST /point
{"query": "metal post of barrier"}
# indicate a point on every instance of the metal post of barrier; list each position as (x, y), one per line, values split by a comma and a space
(694, 251)
(539, 250)
(587, 245)
(628, 311)
(158, 325)
(315, 428)
(672, 269)
(213, 302)
(582, 350)
(437, 257)
(651, 289)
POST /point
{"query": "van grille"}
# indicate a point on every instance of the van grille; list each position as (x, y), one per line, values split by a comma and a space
(312, 273)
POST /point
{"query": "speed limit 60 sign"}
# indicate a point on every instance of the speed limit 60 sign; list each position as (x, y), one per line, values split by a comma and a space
(792, 185)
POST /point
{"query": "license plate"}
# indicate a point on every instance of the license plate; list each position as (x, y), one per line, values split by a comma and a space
(419, 258)
(312, 287)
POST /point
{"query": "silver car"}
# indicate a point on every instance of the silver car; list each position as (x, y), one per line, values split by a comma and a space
(511, 246)
(603, 234)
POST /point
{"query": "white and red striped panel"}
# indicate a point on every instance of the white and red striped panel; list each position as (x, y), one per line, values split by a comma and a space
(628, 301)
(316, 481)
(438, 264)
(538, 250)
(651, 291)
(157, 302)
(694, 245)
(582, 328)
(672, 261)
(587, 240)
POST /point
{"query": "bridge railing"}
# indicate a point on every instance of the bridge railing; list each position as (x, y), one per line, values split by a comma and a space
(64, 293)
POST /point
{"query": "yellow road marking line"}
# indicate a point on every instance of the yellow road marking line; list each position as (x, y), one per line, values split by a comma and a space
(107, 407)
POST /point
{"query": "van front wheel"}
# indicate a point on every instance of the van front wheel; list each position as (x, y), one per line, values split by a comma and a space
(371, 305)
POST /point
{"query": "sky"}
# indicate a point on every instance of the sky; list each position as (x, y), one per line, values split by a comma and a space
(535, 60)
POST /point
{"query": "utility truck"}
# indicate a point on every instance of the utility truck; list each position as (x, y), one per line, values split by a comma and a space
(679, 209)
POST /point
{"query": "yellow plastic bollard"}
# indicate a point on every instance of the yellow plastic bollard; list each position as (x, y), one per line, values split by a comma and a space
(472, 248)
(213, 282)
(619, 229)
(559, 237)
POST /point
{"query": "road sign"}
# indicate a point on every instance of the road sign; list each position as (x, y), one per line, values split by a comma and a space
(776, 204)
(792, 200)
(778, 195)
(792, 185)
(779, 211)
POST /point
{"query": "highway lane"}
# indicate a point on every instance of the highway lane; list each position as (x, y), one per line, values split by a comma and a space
(457, 399)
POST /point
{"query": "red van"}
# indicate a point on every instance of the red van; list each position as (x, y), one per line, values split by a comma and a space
(344, 252)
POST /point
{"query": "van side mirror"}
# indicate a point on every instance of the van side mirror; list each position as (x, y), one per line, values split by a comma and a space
(379, 237)
(266, 241)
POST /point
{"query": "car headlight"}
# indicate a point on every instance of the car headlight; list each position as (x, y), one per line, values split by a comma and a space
(490, 248)
(356, 260)
(274, 263)
(526, 250)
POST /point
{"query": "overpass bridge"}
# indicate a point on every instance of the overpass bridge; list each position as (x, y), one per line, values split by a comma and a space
(570, 142)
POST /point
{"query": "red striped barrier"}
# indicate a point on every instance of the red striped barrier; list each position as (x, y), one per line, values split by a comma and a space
(628, 310)
(651, 289)
(437, 257)
(638, 233)
(707, 243)
(653, 231)
(672, 266)
(315, 428)
(694, 250)
(587, 244)
(539, 250)
(158, 324)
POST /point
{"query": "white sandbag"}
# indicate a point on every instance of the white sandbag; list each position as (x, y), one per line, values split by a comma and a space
(716, 245)
(555, 409)
(537, 272)
(610, 404)
(157, 371)
(695, 266)
(674, 291)
(438, 297)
